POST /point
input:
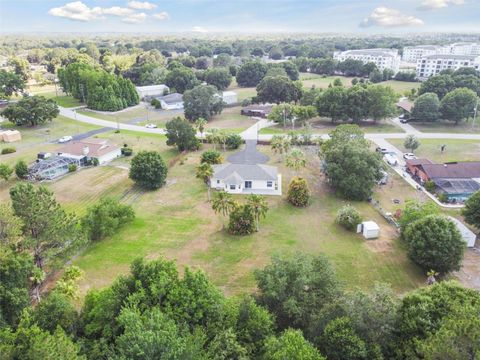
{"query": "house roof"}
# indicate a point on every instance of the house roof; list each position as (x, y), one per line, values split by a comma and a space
(457, 186)
(451, 56)
(406, 105)
(241, 172)
(96, 147)
(151, 87)
(417, 162)
(171, 98)
(463, 170)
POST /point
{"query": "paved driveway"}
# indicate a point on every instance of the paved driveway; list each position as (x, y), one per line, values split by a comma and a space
(249, 155)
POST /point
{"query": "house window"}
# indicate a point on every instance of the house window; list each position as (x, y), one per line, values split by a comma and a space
(248, 184)
(269, 183)
(218, 181)
(232, 187)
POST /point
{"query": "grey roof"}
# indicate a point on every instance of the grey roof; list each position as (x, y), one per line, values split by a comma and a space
(241, 172)
(457, 186)
(449, 56)
(171, 98)
(426, 47)
(372, 52)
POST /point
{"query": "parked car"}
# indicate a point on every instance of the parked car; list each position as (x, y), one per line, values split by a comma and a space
(391, 159)
(384, 179)
(151, 126)
(409, 156)
(65, 139)
(404, 121)
(381, 150)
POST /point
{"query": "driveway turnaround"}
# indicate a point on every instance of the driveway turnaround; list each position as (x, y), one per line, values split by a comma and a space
(250, 155)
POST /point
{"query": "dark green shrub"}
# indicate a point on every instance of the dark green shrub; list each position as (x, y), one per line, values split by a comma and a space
(8, 150)
(148, 170)
(72, 167)
(233, 141)
(242, 221)
(298, 192)
(430, 186)
(156, 103)
(126, 151)
(443, 198)
(348, 217)
(21, 169)
(211, 157)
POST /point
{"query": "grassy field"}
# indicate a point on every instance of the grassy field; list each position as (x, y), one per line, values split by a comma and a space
(324, 126)
(322, 82)
(443, 126)
(456, 150)
(231, 119)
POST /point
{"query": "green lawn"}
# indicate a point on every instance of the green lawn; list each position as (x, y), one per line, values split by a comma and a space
(443, 126)
(177, 222)
(401, 87)
(324, 126)
(67, 101)
(456, 150)
(322, 81)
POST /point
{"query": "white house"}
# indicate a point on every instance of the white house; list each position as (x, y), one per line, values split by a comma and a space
(247, 179)
(467, 235)
(171, 101)
(99, 149)
(433, 64)
(152, 90)
(229, 97)
(383, 58)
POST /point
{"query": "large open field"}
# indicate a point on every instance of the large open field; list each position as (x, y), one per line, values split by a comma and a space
(177, 222)
(443, 126)
(456, 150)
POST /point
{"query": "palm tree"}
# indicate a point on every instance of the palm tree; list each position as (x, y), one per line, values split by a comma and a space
(205, 172)
(212, 136)
(200, 124)
(222, 137)
(223, 203)
(280, 144)
(296, 160)
(259, 206)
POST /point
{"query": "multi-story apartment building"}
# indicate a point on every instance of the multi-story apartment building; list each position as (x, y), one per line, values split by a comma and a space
(383, 58)
(463, 49)
(432, 64)
(411, 54)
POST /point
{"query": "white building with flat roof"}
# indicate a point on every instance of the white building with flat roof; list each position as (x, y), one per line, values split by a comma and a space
(411, 54)
(463, 48)
(433, 64)
(383, 58)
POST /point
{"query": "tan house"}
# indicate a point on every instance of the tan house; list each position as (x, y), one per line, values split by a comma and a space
(100, 149)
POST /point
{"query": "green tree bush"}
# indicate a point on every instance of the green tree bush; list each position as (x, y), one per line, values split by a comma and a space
(426, 107)
(182, 134)
(211, 157)
(242, 220)
(471, 211)
(348, 217)
(148, 170)
(298, 192)
(32, 111)
(21, 169)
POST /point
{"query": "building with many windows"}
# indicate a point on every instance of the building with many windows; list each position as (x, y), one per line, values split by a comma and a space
(411, 54)
(463, 49)
(383, 58)
(433, 64)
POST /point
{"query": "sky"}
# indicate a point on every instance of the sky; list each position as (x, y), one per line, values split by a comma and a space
(240, 16)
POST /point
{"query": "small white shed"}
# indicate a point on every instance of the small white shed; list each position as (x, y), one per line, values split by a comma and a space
(230, 97)
(467, 235)
(369, 229)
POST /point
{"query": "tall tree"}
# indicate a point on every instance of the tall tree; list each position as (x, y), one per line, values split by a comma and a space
(458, 104)
(218, 77)
(205, 173)
(32, 110)
(181, 133)
(296, 160)
(471, 211)
(439, 84)
(381, 102)
(251, 73)
(426, 107)
(223, 203)
(259, 206)
(202, 102)
(332, 103)
(411, 142)
(148, 170)
(10, 83)
(278, 89)
(49, 231)
(340, 342)
(291, 345)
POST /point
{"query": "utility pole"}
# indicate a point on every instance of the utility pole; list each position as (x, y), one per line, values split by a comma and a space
(475, 114)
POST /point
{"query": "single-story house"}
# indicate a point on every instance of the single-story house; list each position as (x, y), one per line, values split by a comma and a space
(247, 179)
(467, 235)
(229, 97)
(10, 135)
(257, 110)
(171, 101)
(457, 180)
(152, 90)
(100, 149)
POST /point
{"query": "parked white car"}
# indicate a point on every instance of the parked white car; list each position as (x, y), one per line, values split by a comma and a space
(409, 156)
(65, 139)
(151, 126)
(391, 159)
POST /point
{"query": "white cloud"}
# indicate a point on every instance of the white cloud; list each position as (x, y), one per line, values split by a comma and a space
(136, 18)
(141, 5)
(439, 4)
(199, 29)
(117, 11)
(387, 17)
(163, 15)
(77, 10)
